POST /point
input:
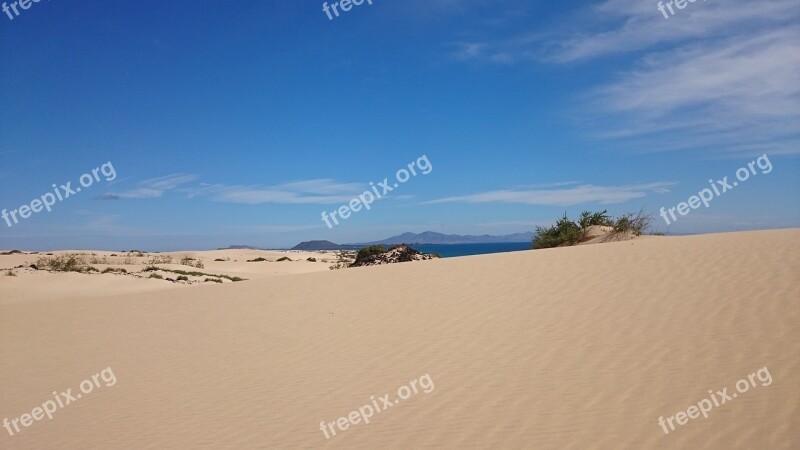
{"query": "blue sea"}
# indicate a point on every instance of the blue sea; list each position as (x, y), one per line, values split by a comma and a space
(453, 250)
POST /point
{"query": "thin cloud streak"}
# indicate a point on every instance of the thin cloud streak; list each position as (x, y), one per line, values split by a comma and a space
(722, 77)
(562, 197)
(317, 191)
(152, 188)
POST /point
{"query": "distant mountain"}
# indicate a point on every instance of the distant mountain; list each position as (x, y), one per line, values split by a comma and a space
(430, 237)
(241, 247)
(311, 246)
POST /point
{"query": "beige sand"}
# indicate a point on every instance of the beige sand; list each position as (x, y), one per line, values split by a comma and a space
(581, 347)
(234, 264)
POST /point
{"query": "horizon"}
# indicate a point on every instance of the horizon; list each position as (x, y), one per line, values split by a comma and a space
(290, 247)
(198, 126)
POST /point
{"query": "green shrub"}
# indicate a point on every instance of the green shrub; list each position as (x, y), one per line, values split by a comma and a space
(311, 259)
(213, 280)
(156, 276)
(192, 273)
(633, 223)
(589, 219)
(284, 258)
(259, 259)
(166, 259)
(567, 232)
(366, 252)
(64, 263)
(564, 232)
(187, 261)
(183, 278)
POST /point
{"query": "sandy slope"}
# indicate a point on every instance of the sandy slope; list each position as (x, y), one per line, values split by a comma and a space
(580, 347)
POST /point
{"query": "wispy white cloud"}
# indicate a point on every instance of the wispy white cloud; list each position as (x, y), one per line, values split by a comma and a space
(152, 188)
(639, 25)
(732, 96)
(575, 195)
(314, 191)
(620, 26)
(717, 76)
(317, 191)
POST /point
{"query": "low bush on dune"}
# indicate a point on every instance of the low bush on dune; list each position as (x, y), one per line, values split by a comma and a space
(259, 259)
(398, 253)
(588, 219)
(191, 262)
(633, 223)
(65, 263)
(191, 274)
(284, 258)
(366, 252)
(564, 232)
(160, 259)
(567, 232)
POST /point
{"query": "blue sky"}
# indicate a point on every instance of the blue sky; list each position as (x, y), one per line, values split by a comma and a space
(240, 122)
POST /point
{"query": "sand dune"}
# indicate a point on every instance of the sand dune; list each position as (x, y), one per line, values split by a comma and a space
(581, 347)
(245, 264)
